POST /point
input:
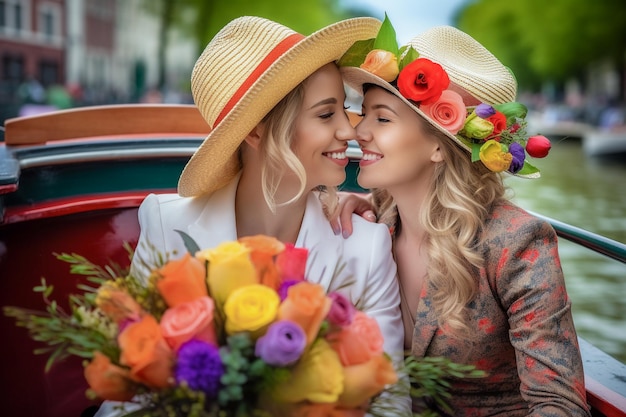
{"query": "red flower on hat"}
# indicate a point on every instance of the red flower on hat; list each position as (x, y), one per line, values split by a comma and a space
(498, 120)
(423, 81)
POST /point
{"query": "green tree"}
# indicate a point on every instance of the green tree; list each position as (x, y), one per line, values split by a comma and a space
(549, 40)
(202, 19)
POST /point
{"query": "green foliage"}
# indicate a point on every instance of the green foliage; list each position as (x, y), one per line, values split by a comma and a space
(245, 376)
(386, 38)
(190, 244)
(355, 56)
(430, 378)
(67, 334)
(548, 41)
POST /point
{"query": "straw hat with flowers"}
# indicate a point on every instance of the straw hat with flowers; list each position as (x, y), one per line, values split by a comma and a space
(456, 85)
(248, 67)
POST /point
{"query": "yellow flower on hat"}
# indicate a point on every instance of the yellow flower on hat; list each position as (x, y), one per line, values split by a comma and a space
(495, 156)
(381, 63)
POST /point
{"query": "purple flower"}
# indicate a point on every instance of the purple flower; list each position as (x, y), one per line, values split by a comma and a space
(200, 365)
(341, 310)
(282, 344)
(284, 286)
(517, 151)
(484, 110)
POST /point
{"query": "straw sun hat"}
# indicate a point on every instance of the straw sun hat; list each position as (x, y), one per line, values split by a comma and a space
(248, 67)
(474, 73)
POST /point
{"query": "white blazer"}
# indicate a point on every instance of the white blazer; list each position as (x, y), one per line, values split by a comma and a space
(368, 278)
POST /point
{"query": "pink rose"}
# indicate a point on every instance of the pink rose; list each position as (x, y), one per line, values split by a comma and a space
(358, 342)
(186, 321)
(341, 310)
(448, 112)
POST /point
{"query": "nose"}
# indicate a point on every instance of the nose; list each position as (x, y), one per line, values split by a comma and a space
(345, 130)
(362, 132)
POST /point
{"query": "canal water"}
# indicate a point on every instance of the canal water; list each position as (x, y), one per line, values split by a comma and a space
(589, 193)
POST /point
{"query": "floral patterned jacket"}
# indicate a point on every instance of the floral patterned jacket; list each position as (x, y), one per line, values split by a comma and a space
(524, 333)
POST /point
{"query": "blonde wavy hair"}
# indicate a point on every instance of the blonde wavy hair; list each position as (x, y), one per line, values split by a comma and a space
(278, 156)
(453, 215)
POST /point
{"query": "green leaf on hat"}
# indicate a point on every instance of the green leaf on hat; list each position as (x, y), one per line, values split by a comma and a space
(386, 38)
(475, 151)
(355, 56)
(528, 169)
(409, 56)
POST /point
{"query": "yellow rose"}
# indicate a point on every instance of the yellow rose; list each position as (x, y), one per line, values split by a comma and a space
(230, 268)
(365, 380)
(381, 63)
(251, 309)
(495, 156)
(318, 377)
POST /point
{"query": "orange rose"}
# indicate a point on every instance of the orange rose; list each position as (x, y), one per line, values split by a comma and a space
(117, 304)
(307, 305)
(182, 280)
(264, 249)
(381, 63)
(363, 381)
(108, 381)
(358, 342)
(192, 320)
(146, 353)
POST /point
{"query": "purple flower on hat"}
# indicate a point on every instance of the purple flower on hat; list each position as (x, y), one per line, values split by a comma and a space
(484, 110)
(341, 310)
(282, 344)
(199, 364)
(517, 151)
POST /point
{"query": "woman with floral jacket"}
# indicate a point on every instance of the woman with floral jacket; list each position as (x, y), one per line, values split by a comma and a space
(481, 281)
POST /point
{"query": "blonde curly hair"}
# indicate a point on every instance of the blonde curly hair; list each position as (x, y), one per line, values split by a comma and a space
(453, 215)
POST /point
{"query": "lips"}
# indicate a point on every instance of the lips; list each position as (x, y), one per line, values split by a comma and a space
(336, 154)
(369, 158)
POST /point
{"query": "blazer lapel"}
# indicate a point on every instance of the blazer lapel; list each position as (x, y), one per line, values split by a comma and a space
(325, 250)
(216, 222)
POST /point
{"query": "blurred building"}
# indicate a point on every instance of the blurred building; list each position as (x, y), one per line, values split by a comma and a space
(102, 51)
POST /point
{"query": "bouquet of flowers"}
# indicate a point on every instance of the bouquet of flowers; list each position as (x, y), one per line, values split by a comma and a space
(229, 331)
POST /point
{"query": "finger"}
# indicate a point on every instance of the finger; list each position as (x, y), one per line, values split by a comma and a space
(369, 216)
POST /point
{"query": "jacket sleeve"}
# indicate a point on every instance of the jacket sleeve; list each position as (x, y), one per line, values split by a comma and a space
(531, 289)
(151, 238)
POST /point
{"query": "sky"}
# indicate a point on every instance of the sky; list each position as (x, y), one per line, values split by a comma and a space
(411, 17)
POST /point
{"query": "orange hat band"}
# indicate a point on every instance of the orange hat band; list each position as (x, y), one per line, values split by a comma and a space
(280, 49)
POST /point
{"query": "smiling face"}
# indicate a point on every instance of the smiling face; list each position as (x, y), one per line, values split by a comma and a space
(397, 151)
(322, 129)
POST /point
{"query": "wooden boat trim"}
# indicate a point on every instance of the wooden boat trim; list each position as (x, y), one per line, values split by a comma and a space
(110, 120)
